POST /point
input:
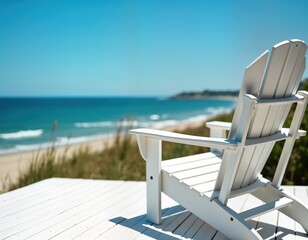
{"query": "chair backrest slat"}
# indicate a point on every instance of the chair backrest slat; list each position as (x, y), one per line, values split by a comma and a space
(251, 85)
(274, 70)
(291, 76)
(279, 78)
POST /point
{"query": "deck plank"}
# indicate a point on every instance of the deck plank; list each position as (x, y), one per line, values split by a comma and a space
(302, 193)
(154, 231)
(286, 225)
(100, 209)
(91, 205)
(69, 196)
(51, 213)
(86, 222)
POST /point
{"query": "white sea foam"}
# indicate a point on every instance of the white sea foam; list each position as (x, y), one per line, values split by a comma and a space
(66, 140)
(154, 117)
(60, 141)
(94, 124)
(166, 123)
(28, 147)
(196, 119)
(63, 140)
(22, 134)
(126, 123)
(218, 110)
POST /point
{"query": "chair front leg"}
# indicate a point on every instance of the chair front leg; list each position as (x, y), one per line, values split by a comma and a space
(153, 179)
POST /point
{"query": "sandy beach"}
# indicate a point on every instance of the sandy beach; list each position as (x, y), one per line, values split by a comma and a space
(12, 164)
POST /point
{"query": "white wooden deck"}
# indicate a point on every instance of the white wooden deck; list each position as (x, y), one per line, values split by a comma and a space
(97, 209)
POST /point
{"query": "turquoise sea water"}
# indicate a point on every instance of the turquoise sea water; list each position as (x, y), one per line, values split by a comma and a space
(26, 123)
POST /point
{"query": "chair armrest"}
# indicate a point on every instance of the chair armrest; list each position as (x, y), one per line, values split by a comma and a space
(218, 124)
(218, 129)
(301, 133)
(220, 143)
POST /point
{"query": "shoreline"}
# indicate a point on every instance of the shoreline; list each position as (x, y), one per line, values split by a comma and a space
(218, 97)
(14, 163)
(11, 164)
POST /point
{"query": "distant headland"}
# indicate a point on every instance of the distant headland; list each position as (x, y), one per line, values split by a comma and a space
(223, 94)
(207, 94)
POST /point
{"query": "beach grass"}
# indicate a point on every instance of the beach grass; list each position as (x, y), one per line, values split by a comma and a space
(119, 160)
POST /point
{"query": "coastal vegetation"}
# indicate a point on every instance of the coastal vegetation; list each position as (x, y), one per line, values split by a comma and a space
(122, 161)
(207, 94)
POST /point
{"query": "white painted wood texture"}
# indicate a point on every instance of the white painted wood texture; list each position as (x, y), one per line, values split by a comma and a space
(99, 209)
(220, 143)
(153, 179)
(281, 79)
(268, 92)
(218, 130)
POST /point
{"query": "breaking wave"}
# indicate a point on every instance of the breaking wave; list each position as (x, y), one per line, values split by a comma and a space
(22, 134)
(94, 124)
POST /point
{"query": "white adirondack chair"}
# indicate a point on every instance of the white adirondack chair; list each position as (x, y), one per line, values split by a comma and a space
(204, 183)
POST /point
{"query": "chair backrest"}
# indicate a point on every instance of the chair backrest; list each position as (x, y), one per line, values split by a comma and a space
(276, 77)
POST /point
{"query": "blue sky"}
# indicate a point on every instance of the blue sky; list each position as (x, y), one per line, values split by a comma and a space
(137, 47)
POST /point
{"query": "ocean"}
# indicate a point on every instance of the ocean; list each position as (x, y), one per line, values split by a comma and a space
(33, 123)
